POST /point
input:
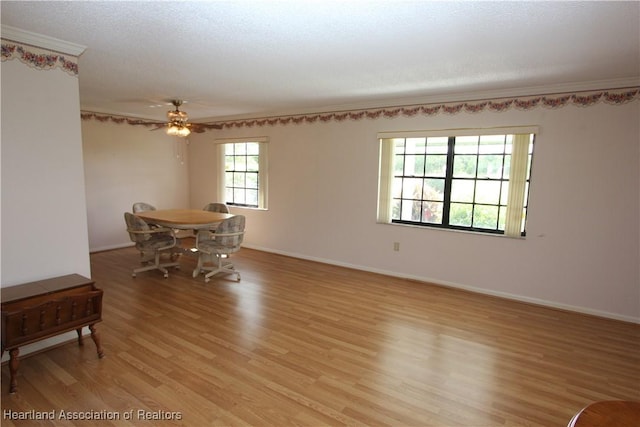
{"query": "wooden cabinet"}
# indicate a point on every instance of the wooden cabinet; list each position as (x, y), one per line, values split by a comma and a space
(38, 310)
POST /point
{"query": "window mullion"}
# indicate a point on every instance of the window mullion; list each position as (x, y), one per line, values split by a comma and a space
(475, 185)
(446, 209)
(403, 176)
(424, 175)
(504, 156)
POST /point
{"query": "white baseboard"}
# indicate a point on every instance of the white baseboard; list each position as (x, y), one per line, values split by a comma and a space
(48, 343)
(506, 295)
(112, 247)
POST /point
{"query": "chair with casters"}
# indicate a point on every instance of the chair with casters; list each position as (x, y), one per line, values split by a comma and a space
(151, 242)
(216, 207)
(142, 207)
(213, 207)
(213, 247)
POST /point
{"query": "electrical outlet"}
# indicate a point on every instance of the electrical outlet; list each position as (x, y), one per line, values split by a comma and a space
(396, 246)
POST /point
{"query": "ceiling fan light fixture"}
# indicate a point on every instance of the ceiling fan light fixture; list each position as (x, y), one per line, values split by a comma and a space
(177, 116)
(176, 129)
(177, 121)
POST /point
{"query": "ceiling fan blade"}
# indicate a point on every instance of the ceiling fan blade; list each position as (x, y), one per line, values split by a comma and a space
(201, 127)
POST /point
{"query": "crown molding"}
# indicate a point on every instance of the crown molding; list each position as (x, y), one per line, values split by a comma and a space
(555, 100)
(500, 104)
(530, 91)
(41, 41)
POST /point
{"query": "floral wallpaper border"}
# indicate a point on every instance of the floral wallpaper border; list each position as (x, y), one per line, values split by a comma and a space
(119, 119)
(39, 58)
(579, 99)
(45, 59)
(195, 127)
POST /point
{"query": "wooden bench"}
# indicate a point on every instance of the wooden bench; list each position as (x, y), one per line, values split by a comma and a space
(38, 310)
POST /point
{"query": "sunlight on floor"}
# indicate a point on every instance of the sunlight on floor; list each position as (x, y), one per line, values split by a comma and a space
(431, 361)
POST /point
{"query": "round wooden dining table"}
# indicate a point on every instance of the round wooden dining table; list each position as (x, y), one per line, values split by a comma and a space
(184, 219)
(609, 413)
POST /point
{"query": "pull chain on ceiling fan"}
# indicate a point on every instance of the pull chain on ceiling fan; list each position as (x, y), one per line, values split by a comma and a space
(177, 125)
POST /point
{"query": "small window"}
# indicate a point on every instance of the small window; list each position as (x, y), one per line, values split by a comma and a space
(244, 172)
(474, 182)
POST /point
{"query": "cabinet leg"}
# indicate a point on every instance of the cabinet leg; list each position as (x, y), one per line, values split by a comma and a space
(96, 339)
(79, 331)
(13, 369)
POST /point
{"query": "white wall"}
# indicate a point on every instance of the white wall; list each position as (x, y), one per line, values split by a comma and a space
(126, 164)
(44, 217)
(582, 248)
(582, 251)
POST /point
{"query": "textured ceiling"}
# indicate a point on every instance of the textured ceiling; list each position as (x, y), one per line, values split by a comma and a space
(243, 58)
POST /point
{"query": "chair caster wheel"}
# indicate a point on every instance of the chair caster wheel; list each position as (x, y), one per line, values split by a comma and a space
(133, 274)
(207, 280)
(166, 275)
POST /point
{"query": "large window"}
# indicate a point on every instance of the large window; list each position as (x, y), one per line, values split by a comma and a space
(459, 180)
(243, 178)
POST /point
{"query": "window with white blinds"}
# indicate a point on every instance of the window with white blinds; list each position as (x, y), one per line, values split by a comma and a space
(474, 180)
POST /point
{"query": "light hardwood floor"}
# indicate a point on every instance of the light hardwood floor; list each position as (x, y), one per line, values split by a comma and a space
(307, 344)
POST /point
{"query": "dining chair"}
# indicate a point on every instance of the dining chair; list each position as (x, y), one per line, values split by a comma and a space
(151, 242)
(142, 207)
(213, 207)
(216, 207)
(213, 247)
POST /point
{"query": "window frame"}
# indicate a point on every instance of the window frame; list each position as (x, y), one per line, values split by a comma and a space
(390, 205)
(260, 174)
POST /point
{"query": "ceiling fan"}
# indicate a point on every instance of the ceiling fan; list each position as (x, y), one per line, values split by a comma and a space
(177, 125)
(177, 122)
